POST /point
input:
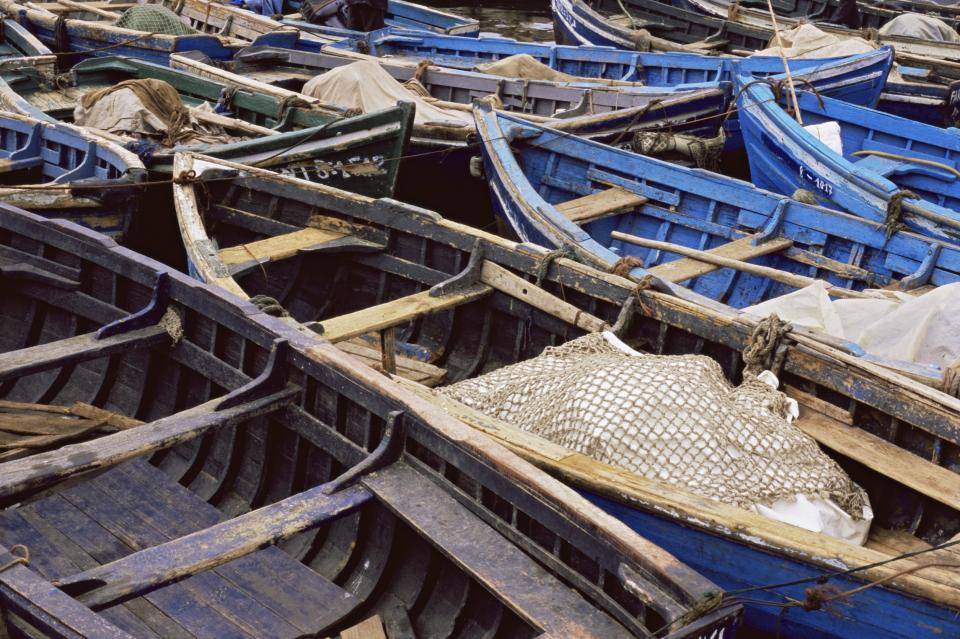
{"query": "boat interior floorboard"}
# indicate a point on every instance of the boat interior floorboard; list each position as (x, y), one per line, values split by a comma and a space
(136, 506)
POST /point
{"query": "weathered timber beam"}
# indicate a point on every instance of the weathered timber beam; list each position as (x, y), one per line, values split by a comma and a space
(73, 350)
(205, 549)
(24, 475)
(791, 279)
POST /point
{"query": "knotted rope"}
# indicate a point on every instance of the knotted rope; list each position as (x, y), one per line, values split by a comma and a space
(564, 251)
(892, 221)
(763, 342)
(625, 264)
(269, 305)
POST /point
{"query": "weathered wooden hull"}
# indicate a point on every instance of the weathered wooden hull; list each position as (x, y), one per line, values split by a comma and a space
(533, 300)
(19, 47)
(784, 157)
(402, 14)
(50, 156)
(271, 486)
(576, 22)
(89, 38)
(534, 171)
(358, 153)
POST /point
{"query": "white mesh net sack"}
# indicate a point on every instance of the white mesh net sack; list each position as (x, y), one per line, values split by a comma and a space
(675, 419)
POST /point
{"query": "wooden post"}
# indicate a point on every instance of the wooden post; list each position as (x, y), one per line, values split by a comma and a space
(786, 67)
(388, 350)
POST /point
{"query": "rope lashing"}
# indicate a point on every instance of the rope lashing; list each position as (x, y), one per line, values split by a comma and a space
(269, 305)
(951, 380)
(625, 264)
(806, 197)
(763, 342)
(544, 266)
(892, 221)
(22, 558)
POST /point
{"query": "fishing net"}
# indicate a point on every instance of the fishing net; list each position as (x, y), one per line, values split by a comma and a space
(145, 108)
(675, 419)
(153, 18)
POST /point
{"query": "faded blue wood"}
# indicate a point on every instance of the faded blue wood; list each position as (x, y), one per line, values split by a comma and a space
(877, 613)
(531, 168)
(784, 157)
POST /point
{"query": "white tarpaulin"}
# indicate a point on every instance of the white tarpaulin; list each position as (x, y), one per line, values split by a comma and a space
(676, 419)
(367, 86)
(808, 42)
(921, 329)
(915, 25)
(525, 66)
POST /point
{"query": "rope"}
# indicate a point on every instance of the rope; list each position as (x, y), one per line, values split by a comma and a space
(951, 380)
(625, 264)
(269, 305)
(763, 342)
(892, 221)
(564, 251)
(17, 559)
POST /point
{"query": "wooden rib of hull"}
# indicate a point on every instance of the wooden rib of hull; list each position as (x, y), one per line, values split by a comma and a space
(921, 426)
(265, 485)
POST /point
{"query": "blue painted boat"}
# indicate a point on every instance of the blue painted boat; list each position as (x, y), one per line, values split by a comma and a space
(890, 170)
(401, 14)
(561, 191)
(217, 30)
(505, 302)
(38, 158)
(20, 47)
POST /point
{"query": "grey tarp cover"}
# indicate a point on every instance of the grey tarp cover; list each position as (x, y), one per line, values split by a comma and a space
(808, 42)
(367, 86)
(915, 25)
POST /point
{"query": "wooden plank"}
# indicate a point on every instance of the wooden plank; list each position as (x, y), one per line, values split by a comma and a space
(43, 469)
(205, 549)
(515, 286)
(499, 565)
(880, 455)
(370, 628)
(741, 249)
(76, 349)
(277, 247)
(396, 312)
(407, 367)
(600, 204)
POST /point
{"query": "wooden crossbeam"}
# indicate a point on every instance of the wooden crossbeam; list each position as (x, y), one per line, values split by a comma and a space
(369, 628)
(741, 249)
(277, 247)
(396, 312)
(876, 453)
(214, 546)
(407, 367)
(600, 204)
(77, 349)
(31, 473)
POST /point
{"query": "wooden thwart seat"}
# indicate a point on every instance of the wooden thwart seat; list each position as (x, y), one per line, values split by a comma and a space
(243, 257)
(504, 569)
(742, 249)
(600, 204)
(136, 506)
(407, 367)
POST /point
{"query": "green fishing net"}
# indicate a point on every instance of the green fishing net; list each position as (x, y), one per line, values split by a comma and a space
(152, 18)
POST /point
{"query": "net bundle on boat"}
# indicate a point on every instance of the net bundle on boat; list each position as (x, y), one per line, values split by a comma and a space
(675, 419)
(145, 108)
(153, 18)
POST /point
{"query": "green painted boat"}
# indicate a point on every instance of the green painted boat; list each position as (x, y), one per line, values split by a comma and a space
(285, 133)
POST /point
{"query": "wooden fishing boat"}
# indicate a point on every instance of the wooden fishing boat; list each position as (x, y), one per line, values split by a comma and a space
(19, 47)
(890, 169)
(259, 483)
(85, 28)
(57, 170)
(699, 25)
(505, 302)
(436, 171)
(400, 13)
(608, 205)
(299, 136)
